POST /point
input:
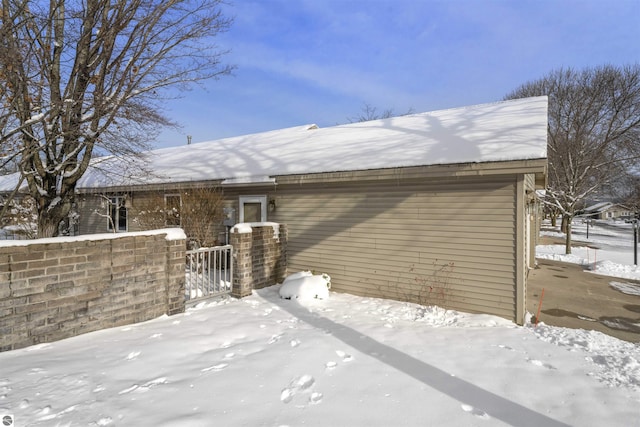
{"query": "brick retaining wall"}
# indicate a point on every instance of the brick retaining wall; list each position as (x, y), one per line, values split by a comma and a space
(52, 289)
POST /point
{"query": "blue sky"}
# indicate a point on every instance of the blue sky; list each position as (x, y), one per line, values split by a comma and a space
(301, 62)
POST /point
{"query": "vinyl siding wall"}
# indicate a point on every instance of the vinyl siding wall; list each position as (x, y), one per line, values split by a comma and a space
(414, 235)
(424, 241)
(93, 211)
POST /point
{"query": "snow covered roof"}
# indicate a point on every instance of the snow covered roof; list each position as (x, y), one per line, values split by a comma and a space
(9, 182)
(604, 206)
(598, 207)
(501, 131)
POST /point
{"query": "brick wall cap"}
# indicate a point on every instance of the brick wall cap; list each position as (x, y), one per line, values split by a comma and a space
(170, 234)
(247, 227)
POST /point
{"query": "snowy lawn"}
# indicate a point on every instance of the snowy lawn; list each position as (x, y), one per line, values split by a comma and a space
(608, 250)
(339, 361)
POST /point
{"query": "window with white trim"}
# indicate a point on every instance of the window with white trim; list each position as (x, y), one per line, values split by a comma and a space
(117, 215)
(253, 208)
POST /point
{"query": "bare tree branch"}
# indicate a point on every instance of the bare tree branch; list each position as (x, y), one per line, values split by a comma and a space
(593, 134)
(88, 77)
(370, 112)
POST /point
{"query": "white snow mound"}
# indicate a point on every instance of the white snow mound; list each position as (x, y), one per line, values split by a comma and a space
(298, 275)
(306, 286)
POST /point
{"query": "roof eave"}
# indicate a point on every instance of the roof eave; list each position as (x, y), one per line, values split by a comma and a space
(533, 166)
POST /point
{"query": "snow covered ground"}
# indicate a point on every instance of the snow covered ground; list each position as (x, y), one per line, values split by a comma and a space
(338, 361)
(608, 250)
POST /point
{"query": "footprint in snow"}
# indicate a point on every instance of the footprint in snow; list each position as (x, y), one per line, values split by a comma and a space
(330, 365)
(477, 412)
(299, 384)
(304, 382)
(4, 389)
(218, 367)
(315, 398)
(105, 421)
(345, 357)
(286, 395)
(133, 355)
(144, 387)
(540, 363)
(505, 347)
(275, 338)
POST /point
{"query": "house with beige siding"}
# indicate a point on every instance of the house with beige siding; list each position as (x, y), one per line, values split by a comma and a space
(437, 207)
(607, 210)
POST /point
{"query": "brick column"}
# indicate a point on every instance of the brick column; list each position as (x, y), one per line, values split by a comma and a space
(281, 263)
(242, 241)
(175, 276)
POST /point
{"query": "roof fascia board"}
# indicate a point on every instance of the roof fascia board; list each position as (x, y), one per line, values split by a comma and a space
(536, 166)
(166, 186)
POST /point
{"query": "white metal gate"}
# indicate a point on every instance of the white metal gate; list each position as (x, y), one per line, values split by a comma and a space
(209, 272)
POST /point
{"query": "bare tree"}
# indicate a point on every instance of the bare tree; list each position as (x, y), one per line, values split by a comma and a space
(149, 211)
(81, 78)
(593, 133)
(197, 210)
(201, 214)
(632, 197)
(370, 112)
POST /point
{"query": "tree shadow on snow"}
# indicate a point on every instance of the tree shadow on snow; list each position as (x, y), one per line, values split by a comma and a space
(456, 388)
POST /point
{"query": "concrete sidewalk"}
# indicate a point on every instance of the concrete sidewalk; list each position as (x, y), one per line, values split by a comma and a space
(575, 298)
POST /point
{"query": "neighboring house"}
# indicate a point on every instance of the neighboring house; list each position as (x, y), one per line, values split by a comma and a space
(607, 210)
(435, 207)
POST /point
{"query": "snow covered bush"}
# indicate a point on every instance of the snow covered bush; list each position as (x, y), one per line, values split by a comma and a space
(18, 217)
(305, 285)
